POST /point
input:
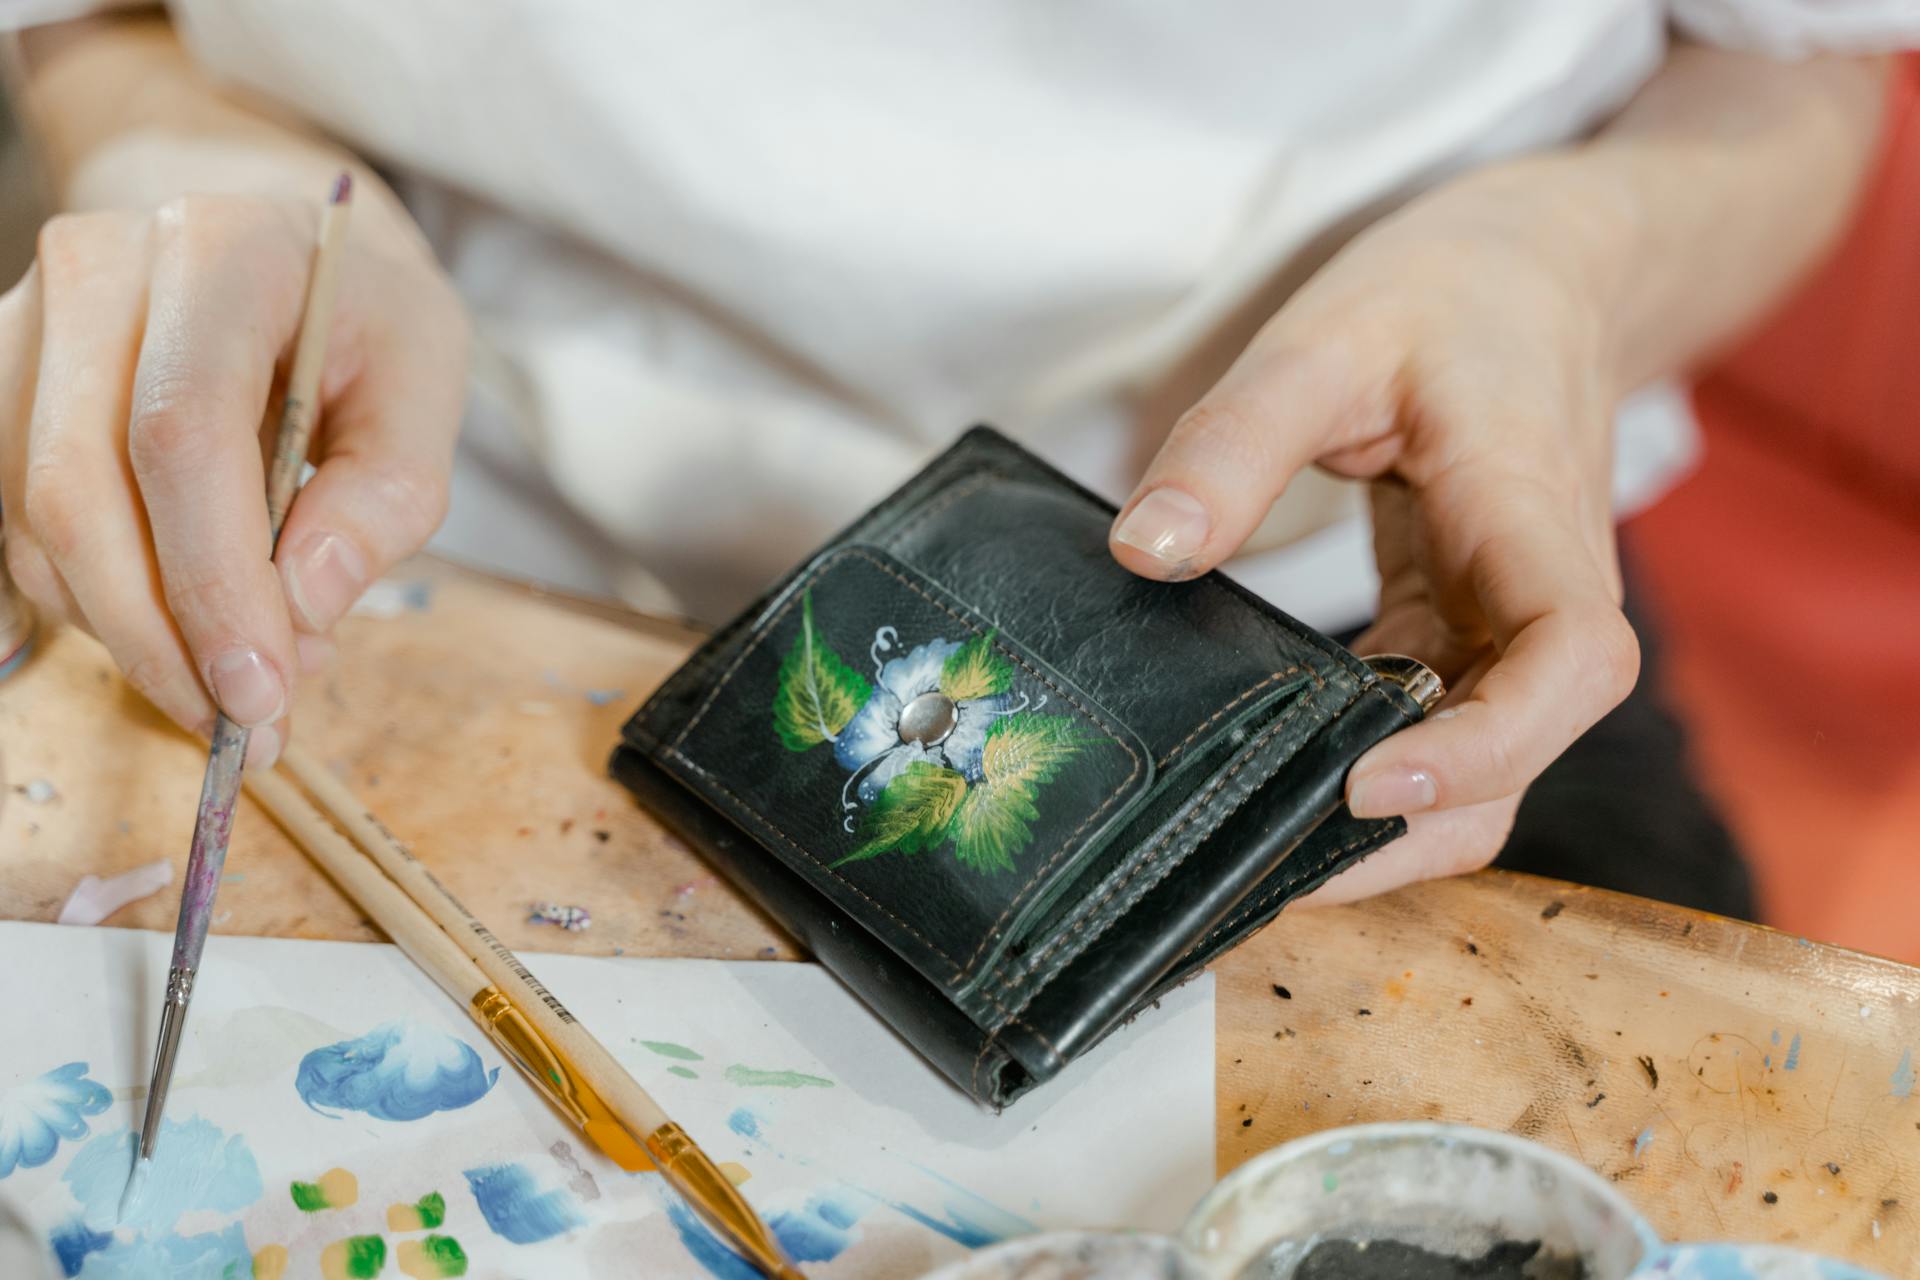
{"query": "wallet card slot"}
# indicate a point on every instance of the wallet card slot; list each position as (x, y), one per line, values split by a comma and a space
(925, 771)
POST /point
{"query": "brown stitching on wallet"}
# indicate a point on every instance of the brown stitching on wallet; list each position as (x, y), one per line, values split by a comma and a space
(799, 848)
(993, 1038)
(986, 1046)
(959, 489)
(945, 500)
(1039, 874)
(1208, 723)
(795, 594)
(1378, 689)
(1034, 1031)
(972, 475)
(1232, 921)
(1153, 855)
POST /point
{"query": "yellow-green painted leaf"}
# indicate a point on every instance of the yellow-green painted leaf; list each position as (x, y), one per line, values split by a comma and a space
(818, 693)
(975, 670)
(994, 823)
(996, 819)
(912, 812)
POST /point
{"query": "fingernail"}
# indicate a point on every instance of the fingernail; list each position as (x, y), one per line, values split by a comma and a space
(315, 653)
(1390, 793)
(1166, 524)
(324, 580)
(248, 689)
(263, 747)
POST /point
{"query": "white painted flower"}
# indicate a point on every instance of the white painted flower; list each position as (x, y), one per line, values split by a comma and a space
(876, 745)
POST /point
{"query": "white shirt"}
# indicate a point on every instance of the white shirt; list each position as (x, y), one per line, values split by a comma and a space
(739, 267)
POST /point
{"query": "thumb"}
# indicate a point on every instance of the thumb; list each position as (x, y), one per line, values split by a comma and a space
(377, 494)
(1277, 409)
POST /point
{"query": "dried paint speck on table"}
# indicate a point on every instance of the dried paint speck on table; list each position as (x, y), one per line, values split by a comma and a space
(335, 1115)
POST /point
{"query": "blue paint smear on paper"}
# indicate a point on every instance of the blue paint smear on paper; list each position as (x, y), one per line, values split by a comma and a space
(819, 1231)
(196, 1166)
(1767, 1061)
(397, 1071)
(1902, 1081)
(516, 1209)
(36, 1114)
(1793, 1053)
(963, 1217)
(1640, 1143)
(73, 1242)
(1776, 1035)
(705, 1246)
(166, 1256)
(602, 697)
(969, 1219)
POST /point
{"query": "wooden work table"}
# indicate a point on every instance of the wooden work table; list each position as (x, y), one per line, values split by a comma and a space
(1703, 1065)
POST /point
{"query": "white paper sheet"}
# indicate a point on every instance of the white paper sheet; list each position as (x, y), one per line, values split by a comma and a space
(857, 1151)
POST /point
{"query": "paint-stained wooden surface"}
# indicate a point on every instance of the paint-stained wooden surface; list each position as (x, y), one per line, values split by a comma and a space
(1706, 1066)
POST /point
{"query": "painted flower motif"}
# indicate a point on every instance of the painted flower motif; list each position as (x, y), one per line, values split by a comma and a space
(397, 1071)
(938, 749)
(35, 1115)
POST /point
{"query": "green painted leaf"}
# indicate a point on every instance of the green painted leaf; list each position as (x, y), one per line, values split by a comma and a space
(818, 692)
(912, 813)
(996, 819)
(975, 670)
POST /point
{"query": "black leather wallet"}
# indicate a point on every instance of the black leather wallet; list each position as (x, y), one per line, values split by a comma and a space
(1007, 791)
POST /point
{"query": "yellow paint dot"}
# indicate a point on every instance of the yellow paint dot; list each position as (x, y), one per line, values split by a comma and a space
(340, 1187)
(434, 1258)
(736, 1173)
(270, 1263)
(414, 1262)
(404, 1217)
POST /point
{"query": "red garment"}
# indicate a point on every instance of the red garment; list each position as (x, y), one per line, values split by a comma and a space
(1786, 573)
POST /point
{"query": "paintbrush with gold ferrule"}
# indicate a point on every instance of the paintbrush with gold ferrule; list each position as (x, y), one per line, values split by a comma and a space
(532, 1028)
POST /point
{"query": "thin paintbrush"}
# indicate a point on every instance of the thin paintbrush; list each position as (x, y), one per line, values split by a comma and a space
(586, 1063)
(221, 789)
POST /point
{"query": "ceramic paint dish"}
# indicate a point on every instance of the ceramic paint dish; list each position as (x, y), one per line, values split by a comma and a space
(1449, 1189)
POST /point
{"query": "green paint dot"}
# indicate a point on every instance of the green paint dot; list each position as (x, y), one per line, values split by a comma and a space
(554, 1076)
(366, 1255)
(308, 1197)
(754, 1078)
(1329, 1183)
(432, 1208)
(446, 1255)
(668, 1049)
(687, 1072)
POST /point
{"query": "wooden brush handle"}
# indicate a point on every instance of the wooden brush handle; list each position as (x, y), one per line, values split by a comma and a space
(623, 1095)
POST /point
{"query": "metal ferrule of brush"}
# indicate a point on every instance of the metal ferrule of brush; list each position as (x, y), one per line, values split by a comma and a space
(173, 1020)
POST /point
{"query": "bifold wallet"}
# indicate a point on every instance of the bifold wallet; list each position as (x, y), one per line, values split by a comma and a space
(1006, 790)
